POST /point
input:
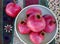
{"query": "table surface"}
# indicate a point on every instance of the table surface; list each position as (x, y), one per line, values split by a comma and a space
(54, 5)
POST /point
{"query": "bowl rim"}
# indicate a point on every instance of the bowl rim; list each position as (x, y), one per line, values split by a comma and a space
(43, 7)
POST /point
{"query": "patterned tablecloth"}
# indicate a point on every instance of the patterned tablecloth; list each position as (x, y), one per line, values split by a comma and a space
(54, 5)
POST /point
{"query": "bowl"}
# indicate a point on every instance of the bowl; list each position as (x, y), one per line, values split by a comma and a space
(22, 15)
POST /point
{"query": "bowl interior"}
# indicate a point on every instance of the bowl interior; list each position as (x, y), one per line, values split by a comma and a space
(22, 16)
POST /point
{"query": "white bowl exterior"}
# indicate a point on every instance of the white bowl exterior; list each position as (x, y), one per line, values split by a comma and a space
(21, 16)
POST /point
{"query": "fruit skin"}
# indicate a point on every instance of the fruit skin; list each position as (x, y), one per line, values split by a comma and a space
(50, 23)
(33, 10)
(36, 38)
(36, 24)
(22, 27)
(12, 9)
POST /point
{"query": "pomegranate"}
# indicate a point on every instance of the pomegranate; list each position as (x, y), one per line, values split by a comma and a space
(12, 9)
(36, 22)
(33, 10)
(22, 27)
(50, 23)
(36, 38)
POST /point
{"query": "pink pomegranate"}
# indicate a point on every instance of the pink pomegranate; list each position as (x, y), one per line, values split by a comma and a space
(33, 10)
(22, 27)
(36, 22)
(12, 9)
(50, 23)
(36, 38)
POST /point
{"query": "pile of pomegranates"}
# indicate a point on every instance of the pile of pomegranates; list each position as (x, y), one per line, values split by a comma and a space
(36, 25)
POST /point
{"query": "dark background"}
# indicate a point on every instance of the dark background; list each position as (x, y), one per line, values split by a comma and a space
(1, 21)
